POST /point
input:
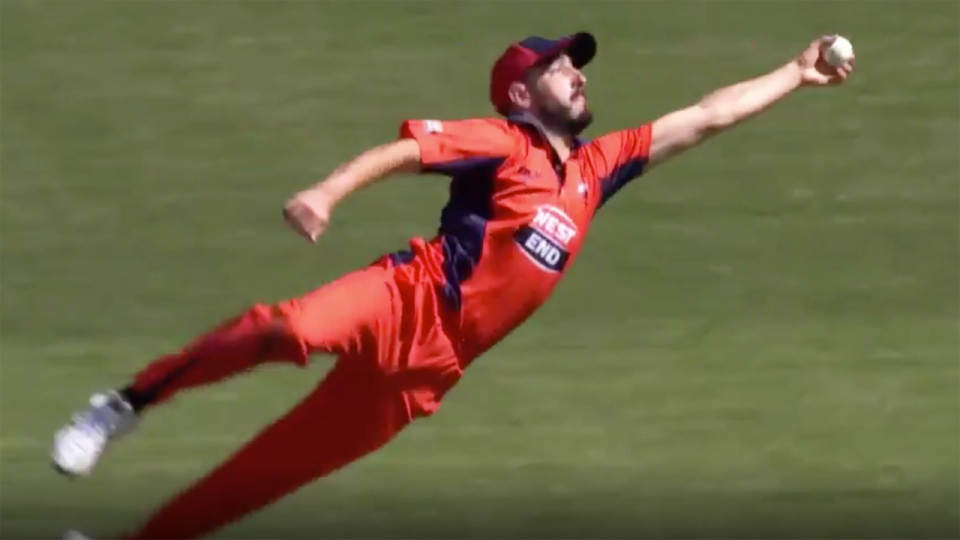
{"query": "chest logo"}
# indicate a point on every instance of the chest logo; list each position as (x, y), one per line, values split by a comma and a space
(546, 239)
(526, 174)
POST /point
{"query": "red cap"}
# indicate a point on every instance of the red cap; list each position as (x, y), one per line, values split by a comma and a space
(513, 64)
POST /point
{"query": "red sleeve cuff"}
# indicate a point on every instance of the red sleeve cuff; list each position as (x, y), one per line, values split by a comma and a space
(429, 146)
(646, 138)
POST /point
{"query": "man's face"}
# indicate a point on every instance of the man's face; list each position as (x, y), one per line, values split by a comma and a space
(557, 95)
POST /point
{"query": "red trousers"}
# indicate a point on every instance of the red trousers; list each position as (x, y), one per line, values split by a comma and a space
(395, 360)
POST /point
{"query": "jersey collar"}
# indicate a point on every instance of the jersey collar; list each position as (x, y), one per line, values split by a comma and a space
(528, 119)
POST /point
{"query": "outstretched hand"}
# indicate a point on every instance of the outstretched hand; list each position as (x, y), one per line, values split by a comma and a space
(815, 71)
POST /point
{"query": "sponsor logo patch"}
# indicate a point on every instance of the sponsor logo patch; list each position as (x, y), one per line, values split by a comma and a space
(546, 239)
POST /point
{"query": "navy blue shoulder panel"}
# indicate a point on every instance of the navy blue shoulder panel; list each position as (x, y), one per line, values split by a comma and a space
(620, 177)
(463, 221)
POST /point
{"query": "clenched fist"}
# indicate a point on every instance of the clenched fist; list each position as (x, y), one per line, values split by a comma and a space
(308, 213)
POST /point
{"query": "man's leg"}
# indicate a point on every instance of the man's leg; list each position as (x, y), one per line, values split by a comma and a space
(395, 362)
(337, 316)
(349, 415)
(236, 346)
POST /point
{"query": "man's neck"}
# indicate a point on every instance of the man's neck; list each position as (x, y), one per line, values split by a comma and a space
(561, 143)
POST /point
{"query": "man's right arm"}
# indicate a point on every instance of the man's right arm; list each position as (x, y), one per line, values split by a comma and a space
(425, 146)
(401, 156)
(308, 212)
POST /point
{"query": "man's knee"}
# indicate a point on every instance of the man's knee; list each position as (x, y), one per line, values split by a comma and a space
(277, 328)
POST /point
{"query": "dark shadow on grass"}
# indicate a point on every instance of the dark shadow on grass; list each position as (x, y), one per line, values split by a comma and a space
(856, 514)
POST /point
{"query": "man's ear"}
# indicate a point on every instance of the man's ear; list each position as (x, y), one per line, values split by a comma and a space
(520, 95)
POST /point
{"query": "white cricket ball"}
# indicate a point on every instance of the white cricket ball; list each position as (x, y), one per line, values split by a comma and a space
(839, 52)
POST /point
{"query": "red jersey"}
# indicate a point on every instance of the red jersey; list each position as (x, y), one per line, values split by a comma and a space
(517, 216)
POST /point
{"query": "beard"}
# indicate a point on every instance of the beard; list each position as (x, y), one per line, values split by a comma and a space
(561, 120)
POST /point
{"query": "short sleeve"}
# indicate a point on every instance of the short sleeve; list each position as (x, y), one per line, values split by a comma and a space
(450, 146)
(618, 158)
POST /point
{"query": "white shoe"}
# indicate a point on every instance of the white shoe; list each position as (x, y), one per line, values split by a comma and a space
(74, 535)
(78, 446)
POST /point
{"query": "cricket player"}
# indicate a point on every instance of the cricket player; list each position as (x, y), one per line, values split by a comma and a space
(524, 189)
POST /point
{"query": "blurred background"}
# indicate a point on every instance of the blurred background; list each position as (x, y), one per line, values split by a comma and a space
(760, 339)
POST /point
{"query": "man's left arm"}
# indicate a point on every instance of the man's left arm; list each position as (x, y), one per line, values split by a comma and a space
(731, 105)
(621, 156)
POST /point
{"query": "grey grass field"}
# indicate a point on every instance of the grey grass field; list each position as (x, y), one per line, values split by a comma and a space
(760, 339)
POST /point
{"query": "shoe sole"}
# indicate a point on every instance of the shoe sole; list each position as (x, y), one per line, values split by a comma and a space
(69, 474)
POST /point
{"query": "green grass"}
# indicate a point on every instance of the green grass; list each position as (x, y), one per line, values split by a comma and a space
(760, 338)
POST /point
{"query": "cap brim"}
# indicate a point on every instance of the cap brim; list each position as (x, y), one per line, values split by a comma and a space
(580, 47)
